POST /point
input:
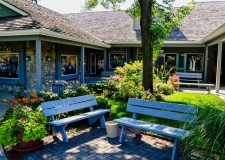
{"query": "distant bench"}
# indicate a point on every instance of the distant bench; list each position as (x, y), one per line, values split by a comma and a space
(208, 86)
(53, 108)
(177, 112)
(189, 77)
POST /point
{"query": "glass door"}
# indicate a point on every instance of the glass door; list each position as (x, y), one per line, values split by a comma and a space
(181, 62)
(93, 64)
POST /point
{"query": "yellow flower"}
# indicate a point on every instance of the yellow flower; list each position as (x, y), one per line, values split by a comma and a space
(1, 118)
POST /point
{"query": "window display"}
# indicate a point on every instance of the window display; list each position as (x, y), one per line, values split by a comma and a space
(194, 62)
(69, 64)
(9, 65)
(117, 60)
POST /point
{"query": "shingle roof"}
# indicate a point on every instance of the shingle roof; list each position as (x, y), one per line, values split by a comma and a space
(118, 25)
(107, 25)
(43, 18)
(206, 17)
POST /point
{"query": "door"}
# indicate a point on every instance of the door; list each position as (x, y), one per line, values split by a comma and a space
(96, 64)
(181, 62)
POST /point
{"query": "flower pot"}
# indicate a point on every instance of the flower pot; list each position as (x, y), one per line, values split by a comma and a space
(175, 86)
(112, 129)
(29, 144)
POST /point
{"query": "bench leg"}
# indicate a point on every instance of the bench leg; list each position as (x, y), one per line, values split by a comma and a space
(209, 88)
(63, 133)
(123, 134)
(175, 150)
(92, 120)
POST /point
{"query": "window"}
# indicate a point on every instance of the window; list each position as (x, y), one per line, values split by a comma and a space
(170, 61)
(69, 64)
(9, 65)
(139, 54)
(117, 59)
(194, 62)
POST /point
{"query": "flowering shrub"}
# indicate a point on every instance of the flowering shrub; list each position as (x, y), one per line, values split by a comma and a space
(116, 77)
(165, 88)
(24, 119)
(174, 78)
(32, 100)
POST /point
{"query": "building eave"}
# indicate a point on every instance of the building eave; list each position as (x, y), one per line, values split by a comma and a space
(217, 32)
(48, 33)
(166, 43)
(17, 10)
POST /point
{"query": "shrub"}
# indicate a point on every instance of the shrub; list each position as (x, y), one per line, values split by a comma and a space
(165, 88)
(210, 130)
(105, 88)
(69, 92)
(82, 90)
(162, 73)
(24, 119)
(102, 103)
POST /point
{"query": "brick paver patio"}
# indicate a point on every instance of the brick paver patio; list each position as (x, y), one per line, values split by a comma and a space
(91, 143)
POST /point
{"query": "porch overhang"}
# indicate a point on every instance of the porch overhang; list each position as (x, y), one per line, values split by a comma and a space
(48, 33)
(166, 43)
(217, 32)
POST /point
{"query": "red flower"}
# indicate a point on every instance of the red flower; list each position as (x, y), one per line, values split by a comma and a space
(41, 99)
(31, 107)
(13, 101)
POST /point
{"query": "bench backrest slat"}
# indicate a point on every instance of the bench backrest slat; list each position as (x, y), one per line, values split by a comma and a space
(164, 106)
(66, 105)
(162, 114)
(67, 101)
(189, 75)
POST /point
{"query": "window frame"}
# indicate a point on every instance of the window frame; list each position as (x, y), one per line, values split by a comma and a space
(122, 53)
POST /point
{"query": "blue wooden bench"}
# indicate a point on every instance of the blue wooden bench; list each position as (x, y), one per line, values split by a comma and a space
(53, 108)
(177, 112)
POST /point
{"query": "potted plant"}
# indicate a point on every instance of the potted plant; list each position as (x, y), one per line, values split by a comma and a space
(25, 125)
(174, 78)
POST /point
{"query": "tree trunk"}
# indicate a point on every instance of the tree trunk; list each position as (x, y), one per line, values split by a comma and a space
(147, 47)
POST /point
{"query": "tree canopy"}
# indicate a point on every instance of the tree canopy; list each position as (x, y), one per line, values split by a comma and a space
(156, 20)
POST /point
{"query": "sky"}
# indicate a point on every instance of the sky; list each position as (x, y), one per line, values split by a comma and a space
(75, 6)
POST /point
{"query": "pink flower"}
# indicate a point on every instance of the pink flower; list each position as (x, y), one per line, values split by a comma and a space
(174, 78)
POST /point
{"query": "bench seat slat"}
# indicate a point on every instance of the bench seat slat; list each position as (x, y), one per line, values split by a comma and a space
(156, 128)
(79, 117)
(67, 101)
(195, 84)
(66, 108)
(162, 114)
(164, 106)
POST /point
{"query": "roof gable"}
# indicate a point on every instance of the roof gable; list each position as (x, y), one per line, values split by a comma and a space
(118, 25)
(46, 20)
(8, 10)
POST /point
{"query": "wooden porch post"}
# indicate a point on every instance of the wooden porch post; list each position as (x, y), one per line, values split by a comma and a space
(218, 68)
(105, 53)
(82, 65)
(38, 65)
(206, 63)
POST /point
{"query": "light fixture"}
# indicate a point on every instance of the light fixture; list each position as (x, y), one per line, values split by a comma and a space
(47, 58)
(28, 58)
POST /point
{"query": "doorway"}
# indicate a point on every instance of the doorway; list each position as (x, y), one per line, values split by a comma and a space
(96, 64)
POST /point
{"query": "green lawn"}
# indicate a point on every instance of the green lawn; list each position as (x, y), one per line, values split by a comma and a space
(204, 102)
(206, 131)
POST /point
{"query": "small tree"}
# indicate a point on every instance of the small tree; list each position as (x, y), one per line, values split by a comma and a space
(157, 22)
